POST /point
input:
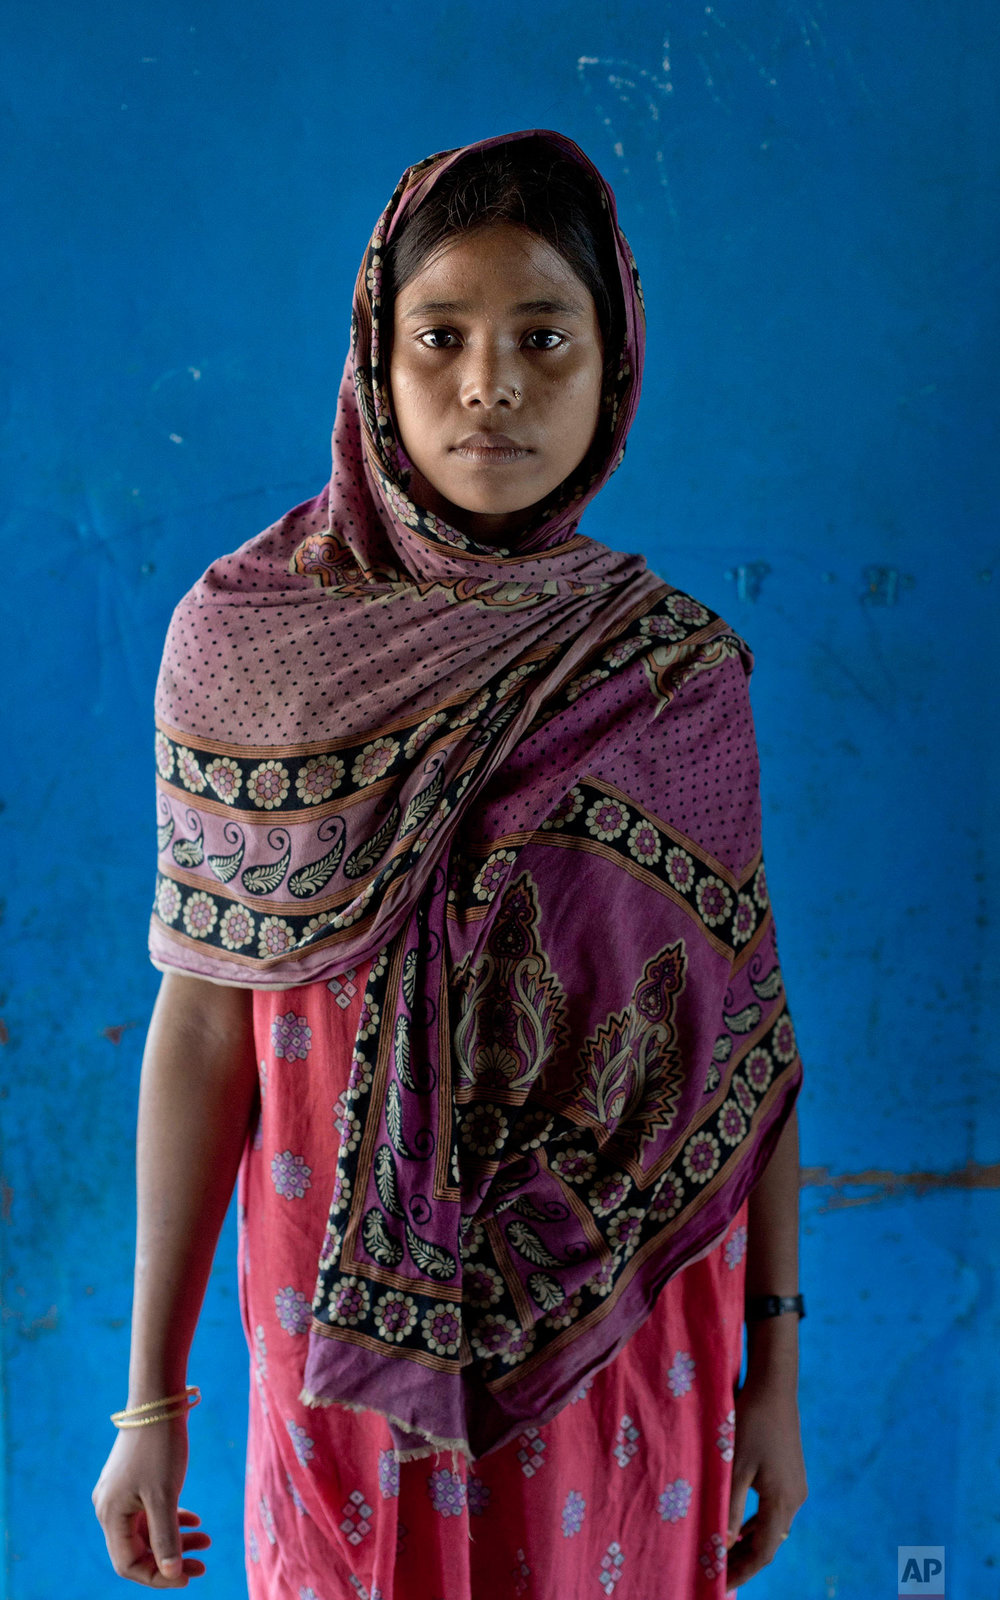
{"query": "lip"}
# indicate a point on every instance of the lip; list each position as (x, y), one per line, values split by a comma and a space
(491, 449)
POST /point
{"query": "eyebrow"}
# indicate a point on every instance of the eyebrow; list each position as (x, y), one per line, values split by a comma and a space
(524, 307)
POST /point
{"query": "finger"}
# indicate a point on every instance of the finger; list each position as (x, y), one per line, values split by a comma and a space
(164, 1534)
(759, 1541)
(194, 1541)
(737, 1505)
(744, 1558)
(191, 1540)
(772, 1520)
(124, 1535)
(127, 1539)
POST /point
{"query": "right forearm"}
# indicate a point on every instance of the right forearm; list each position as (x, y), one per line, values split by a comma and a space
(198, 1089)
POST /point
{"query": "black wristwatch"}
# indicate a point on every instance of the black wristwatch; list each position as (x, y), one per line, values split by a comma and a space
(772, 1305)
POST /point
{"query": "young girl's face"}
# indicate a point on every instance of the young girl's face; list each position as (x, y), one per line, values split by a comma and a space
(495, 372)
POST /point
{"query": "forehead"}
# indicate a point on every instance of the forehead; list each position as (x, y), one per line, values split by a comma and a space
(497, 262)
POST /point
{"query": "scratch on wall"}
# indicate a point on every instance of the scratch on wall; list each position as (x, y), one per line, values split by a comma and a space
(748, 577)
(639, 94)
(888, 1184)
(883, 585)
(716, 58)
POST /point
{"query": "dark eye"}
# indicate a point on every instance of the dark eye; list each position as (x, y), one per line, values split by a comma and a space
(545, 333)
(436, 334)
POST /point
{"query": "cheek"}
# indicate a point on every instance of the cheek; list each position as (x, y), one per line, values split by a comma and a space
(408, 398)
(577, 411)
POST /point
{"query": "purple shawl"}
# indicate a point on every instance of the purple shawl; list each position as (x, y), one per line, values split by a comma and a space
(523, 783)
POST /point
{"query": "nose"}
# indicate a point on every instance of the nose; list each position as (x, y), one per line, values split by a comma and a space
(488, 380)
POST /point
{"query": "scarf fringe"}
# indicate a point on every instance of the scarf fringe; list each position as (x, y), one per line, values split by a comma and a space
(434, 1445)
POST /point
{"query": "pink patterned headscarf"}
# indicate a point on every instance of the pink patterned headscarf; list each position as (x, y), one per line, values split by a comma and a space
(522, 783)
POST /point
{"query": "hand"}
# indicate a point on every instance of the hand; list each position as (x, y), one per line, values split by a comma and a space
(768, 1458)
(149, 1539)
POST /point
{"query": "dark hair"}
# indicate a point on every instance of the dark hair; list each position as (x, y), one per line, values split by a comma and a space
(530, 184)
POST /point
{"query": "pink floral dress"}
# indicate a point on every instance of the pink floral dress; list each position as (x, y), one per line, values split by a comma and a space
(624, 1494)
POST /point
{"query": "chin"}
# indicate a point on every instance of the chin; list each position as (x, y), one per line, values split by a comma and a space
(494, 505)
(493, 508)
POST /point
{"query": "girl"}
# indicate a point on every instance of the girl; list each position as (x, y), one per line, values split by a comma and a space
(470, 973)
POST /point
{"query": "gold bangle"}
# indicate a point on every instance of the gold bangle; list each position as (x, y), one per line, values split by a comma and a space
(168, 1400)
(154, 1416)
(172, 1405)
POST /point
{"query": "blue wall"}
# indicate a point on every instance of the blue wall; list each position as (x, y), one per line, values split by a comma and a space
(809, 194)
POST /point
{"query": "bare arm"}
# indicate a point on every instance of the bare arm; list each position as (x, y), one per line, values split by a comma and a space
(196, 1096)
(773, 1258)
(768, 1449)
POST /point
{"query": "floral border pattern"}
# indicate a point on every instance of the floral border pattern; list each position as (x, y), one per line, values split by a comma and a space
(630, 1209)
(730, 911)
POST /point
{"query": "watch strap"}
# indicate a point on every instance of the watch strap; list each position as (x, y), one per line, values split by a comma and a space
(772, 1305)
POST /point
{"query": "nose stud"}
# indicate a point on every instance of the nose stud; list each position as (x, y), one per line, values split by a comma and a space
(517, 394)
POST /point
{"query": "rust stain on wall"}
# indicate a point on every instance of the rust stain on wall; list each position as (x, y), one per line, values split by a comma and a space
(114, 1033)
(886, 1183)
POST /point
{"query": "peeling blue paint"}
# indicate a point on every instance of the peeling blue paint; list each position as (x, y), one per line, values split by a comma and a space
(749, 576)
(882, 585)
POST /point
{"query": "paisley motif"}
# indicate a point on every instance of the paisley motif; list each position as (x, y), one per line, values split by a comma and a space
(511, 1005)
(631, 1069)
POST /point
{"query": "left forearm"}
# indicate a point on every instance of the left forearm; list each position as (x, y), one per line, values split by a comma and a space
(773, 1258)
